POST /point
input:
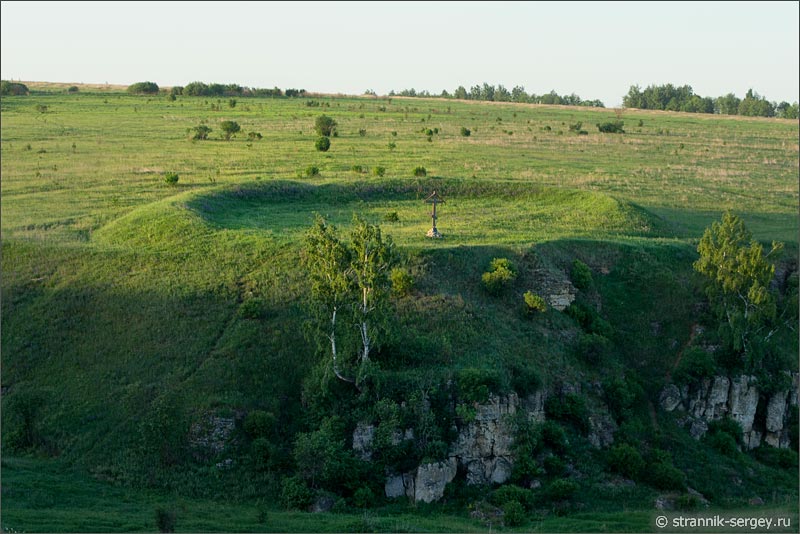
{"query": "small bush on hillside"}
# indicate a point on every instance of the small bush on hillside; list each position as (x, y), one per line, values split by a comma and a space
(695, 365)
(513, 514)
(620, 396)
(722, 442)
(171, 178)
(500, 275)
(593, 348)
(510, 493)
(581, 275)
(325, 126)
(322, 144)
(311, 171)
(295, 495)
(727, 426)
(474, 385)
(420, 172)
(561, 490)
(358, 169)
(569, 408)
(259, 424)
(661, 474)
(165, 520)
(13, 88)
(73, 89)
(402, 282)
(783, 458)
(362, 132)
(625, 460)
(575, 127)
(229, 128)
(465, 132)
(378, 170)
(262, 453)
(200, 132)
(364, 498)
(554, 466)
(611, 127)
(391, 216)
(554, 436)
(254, 136)
(534, 303)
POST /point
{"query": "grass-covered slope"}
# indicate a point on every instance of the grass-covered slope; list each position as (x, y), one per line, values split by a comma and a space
(133, 310)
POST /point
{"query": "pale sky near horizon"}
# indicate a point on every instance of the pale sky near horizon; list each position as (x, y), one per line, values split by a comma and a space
(594, 49)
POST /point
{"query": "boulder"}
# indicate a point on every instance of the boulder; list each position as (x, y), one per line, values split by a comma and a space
(399, 486)
(432, 478)
(744, 401)
(670, 398)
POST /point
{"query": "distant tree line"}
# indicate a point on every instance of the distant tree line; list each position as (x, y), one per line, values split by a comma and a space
(670, 98)
(490, 93)
(8, 88)
(213, 89)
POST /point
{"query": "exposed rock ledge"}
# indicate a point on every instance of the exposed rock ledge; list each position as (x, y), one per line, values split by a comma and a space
(763, 418)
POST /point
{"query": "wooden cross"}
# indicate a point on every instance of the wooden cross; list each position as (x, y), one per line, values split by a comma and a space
(434, 199)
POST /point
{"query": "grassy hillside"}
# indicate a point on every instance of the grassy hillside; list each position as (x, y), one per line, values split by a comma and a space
(133, 309)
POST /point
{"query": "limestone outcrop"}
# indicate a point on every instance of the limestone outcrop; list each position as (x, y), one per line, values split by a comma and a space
(740, 399)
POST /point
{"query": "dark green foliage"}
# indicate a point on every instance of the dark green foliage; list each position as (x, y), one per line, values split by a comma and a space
(232, 103)
(171, 178)
(575, 127)
(73, 89)
(364, 498)
(722, 443)
(513, 514)
(22, 413)
(611, 127)
(144, 88)
(229, 128)
(695, 365)
(311, 171)
(475, 385)
(534, 303)
(687, 502)
(560, 490)
(402, 282)
(362, 132)
(511, 493)
(254, 136)
(295, 494)
(357, 169)
(593, 348)
(13, 88)
(465, 132)
(324, 126)
(200, 132)
(554, 466)
(391, 216)
(322, 144)
(500, 275)
(781, 458)
(588, 318)
(165, 520)
(263, 453)
(569, 408)
(620, 396)
(378, 170)
(626, 461)
(259, 424)
(420, 172)
(660, 473)
(554, 436)
(581, 275)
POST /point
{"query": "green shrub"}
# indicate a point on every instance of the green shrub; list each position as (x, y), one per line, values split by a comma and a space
(554, 466)
(362, 132)
(146, 88)
(474, 385)
(611, 127)
(420, 172)
(402, 282)
(500, 275)
(465, 132)
(165, 520)
(322, 144)
(534, 303)
(727, 426)
(782, 458)
(513, 514)
(358, 169)
(229, 128)
(625, 460)
(575, 127)
(620, 396)
(363, 498)
(311, 171)
(593, 348)
(561, 490)
(295, 495)
(569, 408)
(73, 89)
(254, 136)
(324, 126)
(687, 502)
(262, 452)
(695, 365)
(511, 493)
(171, 178)
(8, 88)
(722, 442)
(581, 275)
(259, 424)
(378, 170)
(554, 436)
(200, 132)
(391, 145)
(661, 474)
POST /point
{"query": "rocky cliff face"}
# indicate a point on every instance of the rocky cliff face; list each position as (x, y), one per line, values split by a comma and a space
(482, 452)
(764, 419)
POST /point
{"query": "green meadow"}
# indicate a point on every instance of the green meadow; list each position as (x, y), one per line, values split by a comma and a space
(122, 293)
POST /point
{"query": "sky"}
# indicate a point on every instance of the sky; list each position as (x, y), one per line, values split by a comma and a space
(596, 50)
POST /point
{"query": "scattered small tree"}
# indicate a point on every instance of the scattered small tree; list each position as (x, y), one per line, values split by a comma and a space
(378, 170)
(499, 276)
(611, 127)
(229, 128)
(200, 132)
(171, 178)
(323, 144)
(143, 88)
(534, 303)
(420, 172)
(325, 126)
